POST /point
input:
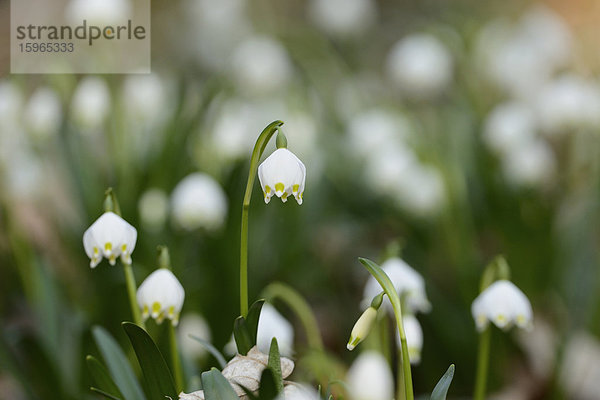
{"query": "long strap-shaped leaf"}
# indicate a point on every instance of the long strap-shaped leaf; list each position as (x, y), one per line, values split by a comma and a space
(441, 389)
(118, 366)
(101, 377)
(158, 378)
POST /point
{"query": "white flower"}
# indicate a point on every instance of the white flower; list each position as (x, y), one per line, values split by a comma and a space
(532, 164)
(11, 102)
(407, 282)
(421, 190)
(414, 338)
(580, 368)
(362, 327)
(145, 98)
(198, 201)
(282, 174)
(567, 103)
(420, 66)
(43, 113)
(153, 207)
(370, 378)
(260, 64)
(271, 325)
(161, 296)
(110, 236)
(503, 304)
(195, 325)
(91, 102)
(509, 126)
(343, 17)
(98, 12)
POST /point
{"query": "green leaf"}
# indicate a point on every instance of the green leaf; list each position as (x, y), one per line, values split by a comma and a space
(275, 365)
(245, 330)
(159, 382)
(212, 350)
(242, 336)
(118, 366)
(252, 319)
(268, 385)
(441, 389)
(104, 394)
(101, 377)
(216, 387)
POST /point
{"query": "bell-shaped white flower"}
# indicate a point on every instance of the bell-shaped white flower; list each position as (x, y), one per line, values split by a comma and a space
(110, 236)
(90, 104)
(503, 304)
(161, 296)
(370, 378)
(408, 282)
(282, 174)
(193, 324)
(43, 113)
(271, 325)
(414, 338)
(198, 201)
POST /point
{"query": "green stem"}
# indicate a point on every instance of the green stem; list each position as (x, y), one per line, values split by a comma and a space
(297, 303)
(131, 292)
(483, 359)
(175, 360)
(400, 390)
(259, 147)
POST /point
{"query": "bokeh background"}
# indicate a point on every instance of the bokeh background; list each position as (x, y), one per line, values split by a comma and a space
(447, 131)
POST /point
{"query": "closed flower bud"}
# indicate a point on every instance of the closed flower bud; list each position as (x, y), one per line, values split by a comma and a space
(362, 328)
(161, 296)
(282, 174)
(503, 304)
(110, 236)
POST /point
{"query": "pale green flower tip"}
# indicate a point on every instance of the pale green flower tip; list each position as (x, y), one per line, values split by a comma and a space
(353, 342)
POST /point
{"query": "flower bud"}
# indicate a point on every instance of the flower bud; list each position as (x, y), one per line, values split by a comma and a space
(362, 328)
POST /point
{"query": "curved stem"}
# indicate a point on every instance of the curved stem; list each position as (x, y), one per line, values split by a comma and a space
(259, 147)
(131, 292)
(483, 359)
(297, 303)
(175, 360)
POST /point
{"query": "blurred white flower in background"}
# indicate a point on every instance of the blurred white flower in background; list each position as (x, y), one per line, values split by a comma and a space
(386, 168)
(420, 66)
(198, 201)
(193, 324)
(261, 65)
(11, 103)
(217, 27)
(295, 391)
(43, 113)
(145, 98)
(25, 173)
(504, 304)
(532, 164)
(509, 126)
(407, 282)
(161, 296)
(370, 378)
(153, 208)
(90, 103)
(282, 174)
(343, 17)
(414, 338)
(272, 324)
(98, 12)
(569, 103)
(375, 130)
(110, 236)
(580, 370)
(520, 58)
(421, 190)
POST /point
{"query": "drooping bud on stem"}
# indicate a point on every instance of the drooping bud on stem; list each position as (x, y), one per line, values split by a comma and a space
(363, 326)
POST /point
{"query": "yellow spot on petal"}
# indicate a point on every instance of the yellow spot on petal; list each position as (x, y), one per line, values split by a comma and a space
(171, 312)
(156, 309)
(124, 248)
(279, 187)
(96, 250)
(267, 189)
(145, 311)
(284, 197)
(295, 188)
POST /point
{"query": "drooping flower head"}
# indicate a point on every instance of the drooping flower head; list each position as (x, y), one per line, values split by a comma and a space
(271, 324)
(408, 283)
(161, 296)
(503, 304)
(282, 174)
(110, 236)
